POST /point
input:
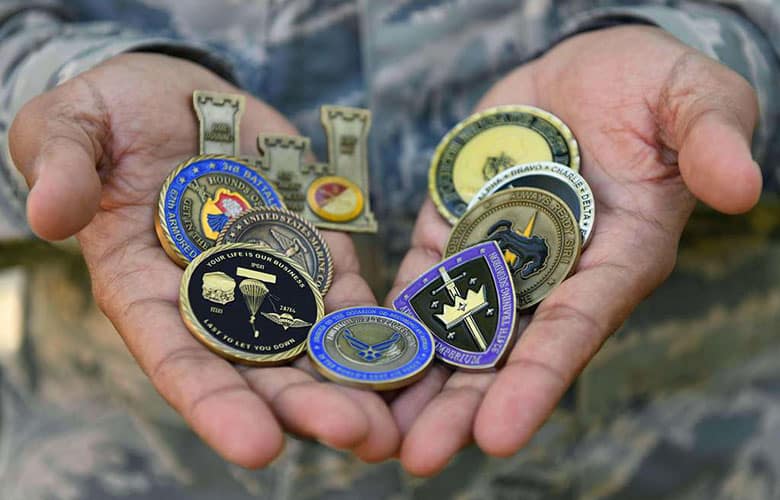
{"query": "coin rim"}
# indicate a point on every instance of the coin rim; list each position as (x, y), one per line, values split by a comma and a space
(319, 211)
(389, 385)
(539, 168)
(227, 352)
(563, 129)
(574, 262)
(163, 234)
(512, 337)
(316, 232)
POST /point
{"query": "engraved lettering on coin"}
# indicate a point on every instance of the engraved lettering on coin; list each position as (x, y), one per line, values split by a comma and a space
(266, 320)
(486, 143)
(558, 179)
(371, 347)
(286, 233)
(200, 197)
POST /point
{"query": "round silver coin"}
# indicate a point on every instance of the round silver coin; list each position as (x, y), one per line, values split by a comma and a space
(370, 347)
(555, 178)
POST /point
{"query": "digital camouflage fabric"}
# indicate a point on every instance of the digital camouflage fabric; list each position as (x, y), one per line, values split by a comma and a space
(683, 402)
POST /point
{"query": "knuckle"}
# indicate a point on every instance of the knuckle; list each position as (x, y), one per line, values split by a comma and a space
(696, 86)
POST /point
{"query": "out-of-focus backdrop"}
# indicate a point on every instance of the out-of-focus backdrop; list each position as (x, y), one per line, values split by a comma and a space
(683, 402)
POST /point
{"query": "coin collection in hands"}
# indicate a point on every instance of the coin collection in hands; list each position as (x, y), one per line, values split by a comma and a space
(245, 228)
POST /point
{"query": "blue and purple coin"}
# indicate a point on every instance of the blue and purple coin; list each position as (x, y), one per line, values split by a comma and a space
(468, 302)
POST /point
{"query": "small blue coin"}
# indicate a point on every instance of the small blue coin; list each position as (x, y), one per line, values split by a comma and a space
(371, 347)
(199, 198)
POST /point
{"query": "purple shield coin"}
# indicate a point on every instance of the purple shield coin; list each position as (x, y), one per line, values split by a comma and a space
(468, 302)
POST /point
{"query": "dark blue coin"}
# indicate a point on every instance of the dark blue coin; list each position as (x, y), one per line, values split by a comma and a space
(200, 196)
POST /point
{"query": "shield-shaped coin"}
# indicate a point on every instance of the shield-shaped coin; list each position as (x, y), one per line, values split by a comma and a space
(468, 302)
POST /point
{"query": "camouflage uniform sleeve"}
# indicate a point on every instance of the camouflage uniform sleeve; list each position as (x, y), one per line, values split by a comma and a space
(42, 45)
(742, 34)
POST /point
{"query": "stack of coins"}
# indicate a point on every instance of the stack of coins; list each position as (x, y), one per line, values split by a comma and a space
(256, 272)
(507, 178)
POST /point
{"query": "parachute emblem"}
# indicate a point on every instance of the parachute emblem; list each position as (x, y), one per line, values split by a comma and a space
(254, 292)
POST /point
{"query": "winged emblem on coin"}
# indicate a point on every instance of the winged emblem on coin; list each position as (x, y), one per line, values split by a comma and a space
(371, 352)
(286, 320)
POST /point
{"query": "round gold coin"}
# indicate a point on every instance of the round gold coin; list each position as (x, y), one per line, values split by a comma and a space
(285, 232)
(536, 231)
(199, 198)
(487, 143)
(335, 198)
(249, 304)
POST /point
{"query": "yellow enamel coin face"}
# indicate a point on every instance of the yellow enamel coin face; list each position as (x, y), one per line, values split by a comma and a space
(487, 143)
(335, 198)
(478, 162)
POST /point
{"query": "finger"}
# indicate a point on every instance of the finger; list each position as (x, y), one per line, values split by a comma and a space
(56, 143)
(206, 390)
(384, 438)
(707, 113)
(408, 404)
(348, 288)
(367, 426)
(309, 408)
(428, 239)
(566, 331)
(444, 426)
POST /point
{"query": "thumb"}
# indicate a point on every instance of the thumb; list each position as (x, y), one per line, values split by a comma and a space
(55, 141)
(707, 113)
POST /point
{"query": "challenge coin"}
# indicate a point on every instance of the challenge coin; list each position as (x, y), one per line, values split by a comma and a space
(249, 304)
(558, 179)
(371, 347)
(487, 143)
(199, 198)
(335, 198)
(537, 233)
(468, 303)
(287, 233)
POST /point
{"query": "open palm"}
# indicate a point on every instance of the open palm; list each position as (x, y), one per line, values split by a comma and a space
(659, 125)
(96, 151)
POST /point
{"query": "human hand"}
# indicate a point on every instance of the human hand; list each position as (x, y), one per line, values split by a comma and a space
(95, 152)
(659, 125)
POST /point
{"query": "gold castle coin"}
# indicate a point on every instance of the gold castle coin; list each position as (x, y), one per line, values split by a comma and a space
(536, 231)
(487, 143)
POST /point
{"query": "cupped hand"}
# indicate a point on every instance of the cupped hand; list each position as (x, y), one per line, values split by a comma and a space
(95, 151)
(659, 125)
